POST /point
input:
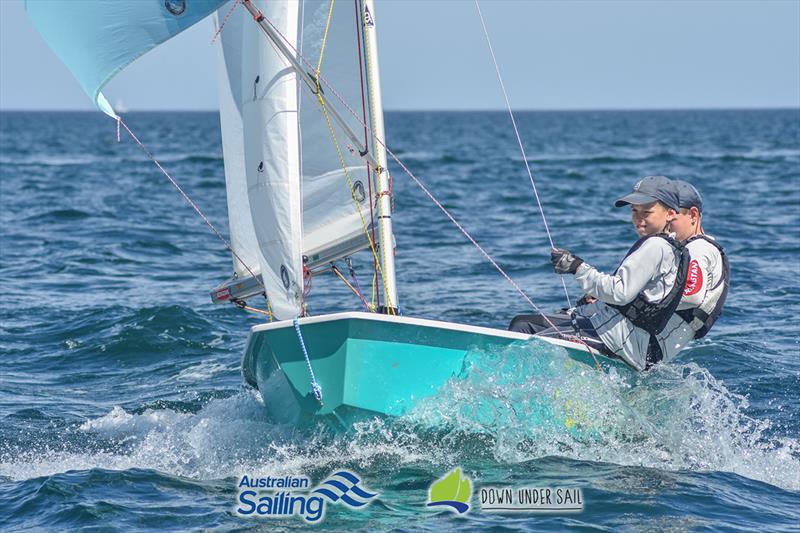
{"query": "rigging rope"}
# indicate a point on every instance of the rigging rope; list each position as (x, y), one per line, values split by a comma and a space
(356, 291)
(315, 387)
(195, 207)
(519, 142)
(225, 20)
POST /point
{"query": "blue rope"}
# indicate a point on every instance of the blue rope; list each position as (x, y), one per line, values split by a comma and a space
(315, 387)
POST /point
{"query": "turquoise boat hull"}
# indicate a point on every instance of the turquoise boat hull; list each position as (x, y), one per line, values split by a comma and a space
(367, 364)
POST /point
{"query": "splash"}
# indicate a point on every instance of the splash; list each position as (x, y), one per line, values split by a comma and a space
(226, 437)
(531, 400)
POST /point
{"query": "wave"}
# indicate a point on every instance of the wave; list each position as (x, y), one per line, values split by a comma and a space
(226, 437)
(178, 158)
(83, 160)
(762, 156)
(59, 214)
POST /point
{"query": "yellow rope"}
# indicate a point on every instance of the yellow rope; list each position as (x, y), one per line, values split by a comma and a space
(364, 225)
(268, 312)
(324, 42)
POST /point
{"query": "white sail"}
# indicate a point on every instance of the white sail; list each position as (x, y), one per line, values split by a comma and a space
(264, 140)
(243, 239)
(331, 221)
(280, 145)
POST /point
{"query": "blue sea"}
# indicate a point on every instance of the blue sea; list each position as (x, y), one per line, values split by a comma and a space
(122, 406)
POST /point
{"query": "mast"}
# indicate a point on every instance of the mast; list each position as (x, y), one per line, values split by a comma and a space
(384, 188)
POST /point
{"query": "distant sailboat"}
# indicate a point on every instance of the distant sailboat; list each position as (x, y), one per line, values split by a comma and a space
(307, 186)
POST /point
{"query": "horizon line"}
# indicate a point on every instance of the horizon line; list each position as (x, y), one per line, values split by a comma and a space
(439, 110)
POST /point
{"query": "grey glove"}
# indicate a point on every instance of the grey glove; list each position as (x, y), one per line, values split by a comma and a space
(564, 262)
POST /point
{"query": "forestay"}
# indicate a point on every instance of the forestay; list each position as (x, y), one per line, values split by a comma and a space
(286, 165)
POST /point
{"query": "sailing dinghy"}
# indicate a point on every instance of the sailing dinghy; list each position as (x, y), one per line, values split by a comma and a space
(341, 366)
(307, 186)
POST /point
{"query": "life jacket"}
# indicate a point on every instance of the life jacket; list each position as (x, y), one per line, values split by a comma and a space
(654, 316)
(702, 318)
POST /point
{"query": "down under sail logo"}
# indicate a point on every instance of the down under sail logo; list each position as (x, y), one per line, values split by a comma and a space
(453, 491)
(290, 496)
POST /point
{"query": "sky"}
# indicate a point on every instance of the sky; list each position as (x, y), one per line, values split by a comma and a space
(433, 55)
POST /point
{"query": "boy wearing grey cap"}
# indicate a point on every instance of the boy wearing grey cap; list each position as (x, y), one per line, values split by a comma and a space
(709, 273)
(635, 303)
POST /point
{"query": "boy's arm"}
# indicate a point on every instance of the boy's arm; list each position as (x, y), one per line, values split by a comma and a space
(630, 279)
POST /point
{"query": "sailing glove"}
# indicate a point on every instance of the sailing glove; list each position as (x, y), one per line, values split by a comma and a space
(564, 262)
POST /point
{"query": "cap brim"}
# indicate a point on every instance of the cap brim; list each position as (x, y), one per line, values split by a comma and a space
(635, 198)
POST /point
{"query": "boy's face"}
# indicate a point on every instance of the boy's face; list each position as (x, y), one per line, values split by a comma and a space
(685, 223)
(652, 218)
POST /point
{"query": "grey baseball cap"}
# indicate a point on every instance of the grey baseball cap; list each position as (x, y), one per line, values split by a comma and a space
(688, 196)
(652, 189)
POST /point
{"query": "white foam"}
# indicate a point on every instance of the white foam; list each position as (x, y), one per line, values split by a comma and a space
(536, 402)
(203, 371)
(227, 438)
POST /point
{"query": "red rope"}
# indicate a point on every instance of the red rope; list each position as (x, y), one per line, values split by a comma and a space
(225, 20)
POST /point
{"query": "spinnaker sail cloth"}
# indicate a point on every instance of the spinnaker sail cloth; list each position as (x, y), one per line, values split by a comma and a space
(98, 38)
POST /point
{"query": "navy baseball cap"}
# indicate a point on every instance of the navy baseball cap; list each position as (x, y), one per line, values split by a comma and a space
(652, 189)
(688, 196)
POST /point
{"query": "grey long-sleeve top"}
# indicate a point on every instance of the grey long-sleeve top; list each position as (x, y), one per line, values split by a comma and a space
(651, 269)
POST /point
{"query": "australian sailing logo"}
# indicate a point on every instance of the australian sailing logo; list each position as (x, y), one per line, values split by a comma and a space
(290, 496)
(453, 491)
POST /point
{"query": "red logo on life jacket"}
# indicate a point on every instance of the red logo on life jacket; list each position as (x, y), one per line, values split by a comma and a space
(694, 279)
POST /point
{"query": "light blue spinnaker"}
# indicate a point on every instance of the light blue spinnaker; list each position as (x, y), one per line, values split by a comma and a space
(96, 39)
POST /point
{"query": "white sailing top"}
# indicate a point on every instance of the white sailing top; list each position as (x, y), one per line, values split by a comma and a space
(703, 288)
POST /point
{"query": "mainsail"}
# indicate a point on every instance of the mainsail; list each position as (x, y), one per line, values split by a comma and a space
(96, 39)
(298, 185)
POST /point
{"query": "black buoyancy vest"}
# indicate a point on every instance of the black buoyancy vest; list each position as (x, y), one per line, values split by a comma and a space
(654, 316)
(705, 318)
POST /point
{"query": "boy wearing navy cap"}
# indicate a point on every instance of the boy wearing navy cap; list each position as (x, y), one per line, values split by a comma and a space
(709, 273)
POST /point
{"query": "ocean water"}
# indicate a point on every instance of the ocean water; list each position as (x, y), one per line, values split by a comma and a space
(121, 401)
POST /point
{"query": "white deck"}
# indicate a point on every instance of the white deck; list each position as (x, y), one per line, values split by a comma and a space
(421, 322)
